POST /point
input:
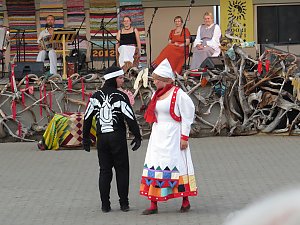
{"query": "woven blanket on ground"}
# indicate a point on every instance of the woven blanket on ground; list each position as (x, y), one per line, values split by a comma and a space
(65, 130)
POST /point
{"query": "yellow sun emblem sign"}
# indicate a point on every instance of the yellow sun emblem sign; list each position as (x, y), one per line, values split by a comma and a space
(240, 11)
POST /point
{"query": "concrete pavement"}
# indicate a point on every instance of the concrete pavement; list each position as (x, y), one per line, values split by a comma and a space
(60, 187)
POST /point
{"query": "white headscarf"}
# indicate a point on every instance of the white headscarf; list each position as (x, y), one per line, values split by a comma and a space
(165, 70)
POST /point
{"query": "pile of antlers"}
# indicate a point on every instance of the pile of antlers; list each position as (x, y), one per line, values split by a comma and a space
(249, 95)
(254, 95)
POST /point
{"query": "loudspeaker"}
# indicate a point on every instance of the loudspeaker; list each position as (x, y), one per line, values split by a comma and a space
(212, 63)
(24, 68)
(288, 21)
(278, 24)
(267, 24)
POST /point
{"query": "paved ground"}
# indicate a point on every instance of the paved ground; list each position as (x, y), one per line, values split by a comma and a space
(60, 187)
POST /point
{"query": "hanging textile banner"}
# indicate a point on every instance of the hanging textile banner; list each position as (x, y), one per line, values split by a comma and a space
(76, 20)
(75, 14)
(130, 2)
(54, 8)
(1, 13)
(103, 24)
(240, 11)
(22, 25)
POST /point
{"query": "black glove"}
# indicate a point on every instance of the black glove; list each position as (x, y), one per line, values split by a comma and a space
(86, 145)
(136, 142)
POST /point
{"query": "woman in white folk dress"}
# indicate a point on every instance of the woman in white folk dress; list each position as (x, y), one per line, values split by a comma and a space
(168, 169)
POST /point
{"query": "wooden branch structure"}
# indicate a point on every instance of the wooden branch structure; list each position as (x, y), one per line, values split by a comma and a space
(248, 96)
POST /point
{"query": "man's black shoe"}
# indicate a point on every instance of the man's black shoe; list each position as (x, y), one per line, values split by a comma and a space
(106, 209)
(124, 208)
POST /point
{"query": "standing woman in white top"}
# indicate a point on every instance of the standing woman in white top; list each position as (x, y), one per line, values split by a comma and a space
(207, 42)
(128, 47)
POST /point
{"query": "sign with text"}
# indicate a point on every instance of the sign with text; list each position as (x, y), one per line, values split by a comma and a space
(240, 11)
(99, 53)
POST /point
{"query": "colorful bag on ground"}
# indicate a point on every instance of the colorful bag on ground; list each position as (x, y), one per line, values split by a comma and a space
(65, 130)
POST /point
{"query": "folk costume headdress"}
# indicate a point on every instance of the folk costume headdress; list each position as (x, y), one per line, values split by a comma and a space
(164, 73)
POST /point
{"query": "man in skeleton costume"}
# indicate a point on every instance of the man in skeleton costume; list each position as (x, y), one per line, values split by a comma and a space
(112, 108)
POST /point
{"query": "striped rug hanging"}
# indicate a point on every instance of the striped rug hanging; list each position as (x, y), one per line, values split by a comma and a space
(1, 13)
(22, 25)
(75, 19)
(54, 8)
(103, 13)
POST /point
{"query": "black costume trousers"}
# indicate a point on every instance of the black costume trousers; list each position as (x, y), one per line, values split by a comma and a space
(113, 152)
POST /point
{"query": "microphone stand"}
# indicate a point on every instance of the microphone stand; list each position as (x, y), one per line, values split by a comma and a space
(18, 41)
(77, 45)
(184, 33)
(105, 38)
(23, 40)
(114, 37)
(149, 35)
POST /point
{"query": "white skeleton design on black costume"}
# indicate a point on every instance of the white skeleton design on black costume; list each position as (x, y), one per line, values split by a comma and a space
(106, 112)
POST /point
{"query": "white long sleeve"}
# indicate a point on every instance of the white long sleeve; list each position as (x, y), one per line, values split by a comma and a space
(186, 110)
(215, 41)
(198, 37)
